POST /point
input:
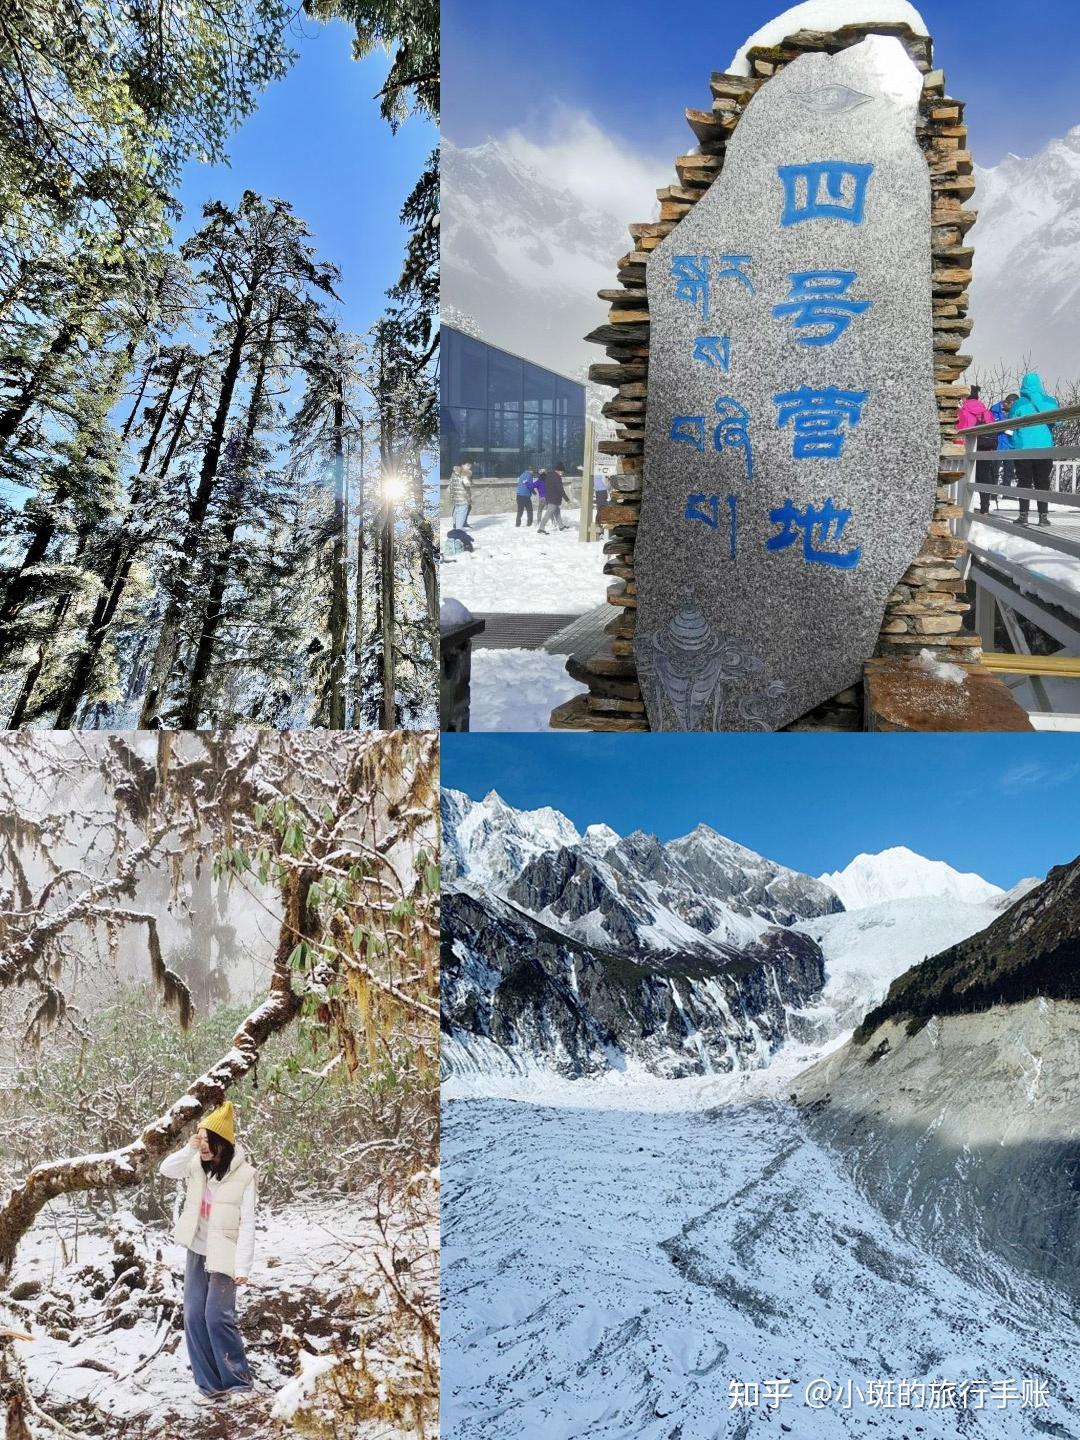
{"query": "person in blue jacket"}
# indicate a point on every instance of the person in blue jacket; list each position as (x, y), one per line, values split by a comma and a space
(1006, 469)
(526, 484)
(1032, 474)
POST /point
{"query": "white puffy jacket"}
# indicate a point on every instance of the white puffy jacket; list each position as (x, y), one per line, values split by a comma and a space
(230, 1230)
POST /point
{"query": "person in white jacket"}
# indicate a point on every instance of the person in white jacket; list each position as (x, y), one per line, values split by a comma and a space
(217, 1227)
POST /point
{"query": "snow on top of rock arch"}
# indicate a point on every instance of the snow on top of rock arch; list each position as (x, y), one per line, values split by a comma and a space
(827, 15)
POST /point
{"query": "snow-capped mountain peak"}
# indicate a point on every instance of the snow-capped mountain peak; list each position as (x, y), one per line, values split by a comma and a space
(488, 842)
(599, 838)
(1026, 275)
(700, 894)
(900, 874)
(528, 239)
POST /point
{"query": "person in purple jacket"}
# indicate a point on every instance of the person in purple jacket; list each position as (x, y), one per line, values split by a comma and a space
(540, 491)
(974, 412)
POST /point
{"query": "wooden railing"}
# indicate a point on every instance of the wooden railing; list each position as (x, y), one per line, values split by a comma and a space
(970, 486)
(1005, 588)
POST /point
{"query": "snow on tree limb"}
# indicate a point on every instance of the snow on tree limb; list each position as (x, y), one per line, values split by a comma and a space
(17, 961)
(355, 944)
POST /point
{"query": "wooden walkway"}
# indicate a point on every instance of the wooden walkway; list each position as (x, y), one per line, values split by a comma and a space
(584, 636)
(578, 635)
(519, 631)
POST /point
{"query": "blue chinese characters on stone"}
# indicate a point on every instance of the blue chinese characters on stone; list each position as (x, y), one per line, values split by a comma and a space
(689, 430)
(733, 431)
(818, 417)
(825, 190)
(817, 305)
(706, 508)
(691, 276)
(714, 351)
(816, 527)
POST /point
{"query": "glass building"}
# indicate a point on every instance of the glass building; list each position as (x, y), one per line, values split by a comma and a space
(501, 413)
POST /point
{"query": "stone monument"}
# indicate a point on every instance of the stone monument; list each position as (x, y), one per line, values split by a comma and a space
(792, 433)
(926, 609)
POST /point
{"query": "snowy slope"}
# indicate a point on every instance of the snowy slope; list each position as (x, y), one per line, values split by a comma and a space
(1026, 278)
(612, 1262)
(518, 996)
(957, 1095)
(900, 874)
(530, 232)
(866, 948)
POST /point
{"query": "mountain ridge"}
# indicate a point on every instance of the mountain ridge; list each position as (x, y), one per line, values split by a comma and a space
(1032, 950)
(525, 255)
(683, 945)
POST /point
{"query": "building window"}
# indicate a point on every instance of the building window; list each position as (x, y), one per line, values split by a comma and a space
(501, 413)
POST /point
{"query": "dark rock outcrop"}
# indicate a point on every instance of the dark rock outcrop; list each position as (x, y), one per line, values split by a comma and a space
(511, 980)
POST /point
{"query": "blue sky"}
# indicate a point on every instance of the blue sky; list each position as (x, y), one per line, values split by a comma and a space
(318, 141)
(636, 67)
(1005, 806)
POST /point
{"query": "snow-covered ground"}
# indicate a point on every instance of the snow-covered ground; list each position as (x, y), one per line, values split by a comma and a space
(1019, 546)
(519, 571)
(315, 1291)
(617, 1253)
(517, 689)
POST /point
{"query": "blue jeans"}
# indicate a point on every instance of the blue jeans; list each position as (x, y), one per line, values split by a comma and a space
(214, 1346)
(461, 513)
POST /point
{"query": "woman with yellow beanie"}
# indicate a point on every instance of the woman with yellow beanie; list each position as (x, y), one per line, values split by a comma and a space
(217, 1227)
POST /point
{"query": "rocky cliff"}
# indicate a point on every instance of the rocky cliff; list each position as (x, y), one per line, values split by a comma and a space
(515, 992)
(955, 1104)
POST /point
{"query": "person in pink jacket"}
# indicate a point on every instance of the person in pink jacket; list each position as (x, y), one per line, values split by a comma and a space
(974, 412)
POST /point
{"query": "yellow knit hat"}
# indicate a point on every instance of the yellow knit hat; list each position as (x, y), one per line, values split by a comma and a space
(222, 1121)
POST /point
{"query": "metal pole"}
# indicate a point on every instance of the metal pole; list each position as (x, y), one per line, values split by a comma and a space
(587, 517)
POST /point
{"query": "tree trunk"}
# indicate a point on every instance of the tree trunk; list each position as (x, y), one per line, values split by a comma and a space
(339, 597)
(428, 569)
(165, 653)
(131, 1164)
(18, 587)
(130, 421)
(358, 630)
(118, 562)
(61, 605)
(222, 565)
(388, 710)
(386, 585)
(12, 416)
